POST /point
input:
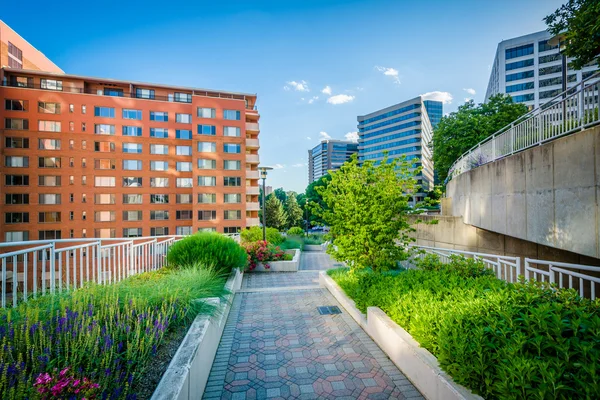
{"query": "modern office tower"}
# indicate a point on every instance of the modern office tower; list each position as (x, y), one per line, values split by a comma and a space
(329, 155)
(94, 157)
(404, 129)
(530, 70)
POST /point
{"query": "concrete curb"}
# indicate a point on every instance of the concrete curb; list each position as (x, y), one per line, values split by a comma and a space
(188, 372)
(313, 247)
(419, 365)
(281, 266)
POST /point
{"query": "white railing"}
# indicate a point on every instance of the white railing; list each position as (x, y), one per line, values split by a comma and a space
(563, 275)
(573, 110)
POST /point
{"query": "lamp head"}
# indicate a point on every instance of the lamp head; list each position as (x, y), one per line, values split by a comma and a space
(263, 171)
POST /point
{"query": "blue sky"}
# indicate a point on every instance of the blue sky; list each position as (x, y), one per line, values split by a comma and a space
(315, 65)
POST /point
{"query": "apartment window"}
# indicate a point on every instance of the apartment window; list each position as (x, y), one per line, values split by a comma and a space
(184, 166)
(232, 165)
(105, 112)
(183, 118)
(185, 182)
(207, 147)
(83, 109)
(132, 114)
(71, 197)
(183, 214)
(232, 148)
(232, 229)
(104, 163)
(550, 70)
(49, 144)
(84, 180)
(544, 46)
(49, 217)
(71, 144)
(104, 147)
(132, 148)
(113, 92)
(84, 215)
(132, 130)
(183, 199)
(84, 198)
(206, 163)
(207, 229)
(519, 51)
(71, 108)
(132, 165)
(83, 163)
(183, 134)
(104, 129)
(17, 198)
(159, 198)
(132, 232)
(17, 236)
(104, 198)
(159, 166)
(49, 198)
(49, 180)
(49, 162)
(523, 97)
(518, 87)
(159, 215)
(159, 182)
(16, 180)
(183, 230)
(132, 181)
(183, 150)
(144, 93)
(519, 75)
(549, 58)
(182, 97)
(84, 145)
(519, 64)
(16, 217)
(71, 180)
(71, 215)
(207, 215)
(132, 215)
(549, 93)
(207, 198)
(51, 84)
(232, 198)
(71, 161)
(161, 133)
(15, 57)
(132, 199)
(104, 181)
(207, 181)
(207, 112)
(16, 143)
(210, 130)
(20, 124)
(16, 161)
(232, 214)
(16, 105)
(106, 233)
(83, 126)
(84, 233)
(159, 149)
(49, 235)
(104, 216)
(159, 231)
(232, 181)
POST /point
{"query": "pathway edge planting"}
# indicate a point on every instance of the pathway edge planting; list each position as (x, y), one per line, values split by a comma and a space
(282, 266)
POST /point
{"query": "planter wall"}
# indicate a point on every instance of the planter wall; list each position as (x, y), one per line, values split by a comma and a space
(187, 374)
(419, 365)
(282, 266)
(313, 247)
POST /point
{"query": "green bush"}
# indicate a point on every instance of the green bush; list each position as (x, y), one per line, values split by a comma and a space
(292, 242)
(501, 340)
(295, 231)
(255, 234)
(314, 239)
(209, 249)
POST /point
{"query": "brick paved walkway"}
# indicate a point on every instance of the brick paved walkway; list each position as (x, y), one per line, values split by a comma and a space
(277, 345)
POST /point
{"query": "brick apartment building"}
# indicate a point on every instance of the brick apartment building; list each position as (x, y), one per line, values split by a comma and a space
(94, 157)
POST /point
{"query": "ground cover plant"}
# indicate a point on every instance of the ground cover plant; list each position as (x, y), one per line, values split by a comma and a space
(501, 340)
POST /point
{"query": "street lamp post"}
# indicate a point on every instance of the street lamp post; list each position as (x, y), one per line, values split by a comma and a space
(263, 175)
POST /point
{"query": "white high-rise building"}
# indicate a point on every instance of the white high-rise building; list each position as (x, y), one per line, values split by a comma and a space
(530, 70)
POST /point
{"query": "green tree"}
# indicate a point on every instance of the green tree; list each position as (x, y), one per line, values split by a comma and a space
(293, 211)
(579, 20)
(366, 210)
(470, 124)
(275, 214)
(432, 199)
(315, 200)
(280, 194)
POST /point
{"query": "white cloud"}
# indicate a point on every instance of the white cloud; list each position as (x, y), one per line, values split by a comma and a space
(470, 91)
(299, 165)
(326, 90)
(392, 72)
(308, 138)
(444, 97)
(340, 99)
(278, 166)
(324, 135)
(352, 136)
(468, 99)
(301, 86)
(286, 88)
(310, 101)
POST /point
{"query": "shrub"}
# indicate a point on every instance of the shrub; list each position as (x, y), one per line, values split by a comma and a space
(262, 252)
(255, 234)
(501, 340)
(295, 231)
(314, 239)
(292, 242)
(209, 249)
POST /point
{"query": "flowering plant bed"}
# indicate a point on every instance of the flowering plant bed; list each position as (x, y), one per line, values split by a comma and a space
(261, 253)
(289, 263)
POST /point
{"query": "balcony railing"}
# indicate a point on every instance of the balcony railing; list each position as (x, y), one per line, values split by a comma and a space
(252, 126)
(253, 206)
(252, 222)
(252, 158)
(572, 110)
(252, 175)
(252, 143)
(252, 190)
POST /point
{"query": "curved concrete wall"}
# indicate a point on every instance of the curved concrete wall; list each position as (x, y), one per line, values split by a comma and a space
(548, 194)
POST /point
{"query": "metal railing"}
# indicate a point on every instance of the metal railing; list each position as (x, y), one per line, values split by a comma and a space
(583, 278)
(573, 110)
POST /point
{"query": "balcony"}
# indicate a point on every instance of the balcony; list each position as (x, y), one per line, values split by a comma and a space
(252, 206)
(252, 190)
(252, 222)
(252, 126)
(252, 174)
(252, 159)
(252, 143)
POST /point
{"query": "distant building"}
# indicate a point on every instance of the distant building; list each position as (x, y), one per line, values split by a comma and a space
(328, 155)
(404, 129)
(530, 70)
(268, 190)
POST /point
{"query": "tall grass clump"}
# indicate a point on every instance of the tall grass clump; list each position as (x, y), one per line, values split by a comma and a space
(255, 234)
(103, 336)
(210, 249)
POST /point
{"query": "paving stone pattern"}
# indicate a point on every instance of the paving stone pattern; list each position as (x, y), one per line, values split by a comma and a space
(316, 261)
(267, 280)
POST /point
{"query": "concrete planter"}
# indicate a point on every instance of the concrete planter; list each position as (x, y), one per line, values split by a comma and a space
(419, 365)
(187, 374)
(313, 247)
(281, 266)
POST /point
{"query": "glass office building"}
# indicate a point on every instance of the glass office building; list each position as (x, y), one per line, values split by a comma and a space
(328, 155)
